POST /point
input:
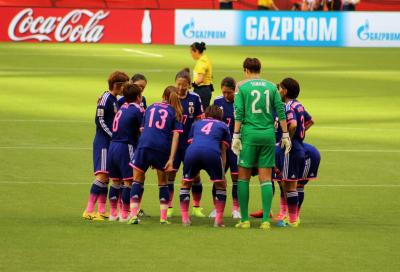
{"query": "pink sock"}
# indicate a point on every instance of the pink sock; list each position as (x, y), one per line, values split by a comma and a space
(91, 203)
(125, 211)
(220, 207)
(235, 205)
(171, 199)
(163, 211)
(135, 204)
(114, 207)
(283, 206)
(185, 211)
(196, 199)
(102, 203)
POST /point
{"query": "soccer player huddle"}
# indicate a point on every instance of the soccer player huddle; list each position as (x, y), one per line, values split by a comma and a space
(255, 128)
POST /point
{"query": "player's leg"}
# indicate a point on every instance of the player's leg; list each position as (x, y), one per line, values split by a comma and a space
(140, 164)
(220, 202)
(283, 204)
(300, 191)
(100, 184)
(180, 154)
(113, 197)
(197, 192)
(247, 159)
(232, 159)
(190, 171)
(163, 195)
(125, 196)
(292, 199)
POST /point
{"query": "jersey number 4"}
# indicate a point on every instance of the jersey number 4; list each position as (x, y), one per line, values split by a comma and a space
(257, 96)
(207, 128)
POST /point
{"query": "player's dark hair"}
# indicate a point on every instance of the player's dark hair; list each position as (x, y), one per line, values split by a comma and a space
(137, 77)
(228, 82)
(214, 112)
(131, 92)
(184, 73)
(292, 87)
(117, 79)
(196, 46)
(171, 96)
(252, 64)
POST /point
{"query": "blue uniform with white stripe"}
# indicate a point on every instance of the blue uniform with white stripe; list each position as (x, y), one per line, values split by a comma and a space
(204, 152)
(192, 110)
(293, 163)
(229, 118)
(312, 160)
(142, 104)
(107, 107)
(126, 131)
(154, 147)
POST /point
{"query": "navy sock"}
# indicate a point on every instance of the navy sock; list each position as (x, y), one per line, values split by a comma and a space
(300, 192)
(234, 190)
(214, 191)
(126, 191)
(171, 187)
(114, 191)
(220, 195)
(163, 194)
(184, 194)
(136, 190)
(97, 187)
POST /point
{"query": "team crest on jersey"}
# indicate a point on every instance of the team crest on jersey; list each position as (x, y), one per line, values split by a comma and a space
(191, 109)
(115, 108)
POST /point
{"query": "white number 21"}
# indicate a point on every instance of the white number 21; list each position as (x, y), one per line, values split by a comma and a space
(257, 97)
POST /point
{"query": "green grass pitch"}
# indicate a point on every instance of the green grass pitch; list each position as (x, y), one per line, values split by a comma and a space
(350, 218)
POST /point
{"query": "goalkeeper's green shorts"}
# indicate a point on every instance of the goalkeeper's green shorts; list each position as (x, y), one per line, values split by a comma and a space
(259, 156)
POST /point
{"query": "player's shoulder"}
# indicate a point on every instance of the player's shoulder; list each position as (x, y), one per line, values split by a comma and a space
(103, 98)
(135, 107)
(219, 98)
(193, 95)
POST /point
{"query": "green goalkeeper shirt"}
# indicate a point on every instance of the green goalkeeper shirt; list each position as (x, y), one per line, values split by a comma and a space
(256, 100)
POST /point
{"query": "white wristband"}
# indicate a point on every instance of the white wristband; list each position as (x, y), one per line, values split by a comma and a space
(285, 135)
(236, 136)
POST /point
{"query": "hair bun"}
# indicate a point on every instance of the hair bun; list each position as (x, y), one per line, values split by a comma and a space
(186, 69)
(203, 45)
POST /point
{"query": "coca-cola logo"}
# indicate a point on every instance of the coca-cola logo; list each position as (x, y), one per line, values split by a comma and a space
(25, 27)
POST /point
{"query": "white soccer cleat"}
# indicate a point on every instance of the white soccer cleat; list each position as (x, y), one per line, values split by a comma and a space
(213, 214)
(113, 218)
(236, 214)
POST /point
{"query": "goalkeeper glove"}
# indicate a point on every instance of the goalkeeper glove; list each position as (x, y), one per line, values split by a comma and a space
(236, 144)
(286, 143)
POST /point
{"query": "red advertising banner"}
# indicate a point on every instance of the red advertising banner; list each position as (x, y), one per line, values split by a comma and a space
(87, 25)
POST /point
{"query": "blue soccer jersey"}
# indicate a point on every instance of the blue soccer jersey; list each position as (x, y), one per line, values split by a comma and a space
(229, 112)
(142, 104)
(159, 123)
(208, 134)
(296, 115)
(107, 107)
(127, 123)
(192, 109)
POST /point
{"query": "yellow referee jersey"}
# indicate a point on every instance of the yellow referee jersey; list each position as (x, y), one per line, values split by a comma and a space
(203, 66)
(265, 3)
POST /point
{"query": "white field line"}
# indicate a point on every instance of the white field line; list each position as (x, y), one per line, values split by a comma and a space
(140, 52)
(89, 121)
(209, 184)
(88, 148)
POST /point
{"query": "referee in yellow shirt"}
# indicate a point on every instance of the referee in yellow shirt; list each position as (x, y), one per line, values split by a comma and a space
(202, 73)
(266, 5)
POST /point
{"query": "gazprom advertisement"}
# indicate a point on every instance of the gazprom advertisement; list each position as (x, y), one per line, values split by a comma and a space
(258, 28)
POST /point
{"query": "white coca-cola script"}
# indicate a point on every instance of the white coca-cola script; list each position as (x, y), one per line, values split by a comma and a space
(25, 27)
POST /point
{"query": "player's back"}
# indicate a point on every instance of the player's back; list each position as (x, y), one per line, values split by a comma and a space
(228, 110)
(127, 123)
(258, 99)
(296, 114)
(208, 134)
(106, 109)
(158, 126)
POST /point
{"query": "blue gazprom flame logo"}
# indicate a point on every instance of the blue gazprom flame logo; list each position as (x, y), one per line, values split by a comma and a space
(362, 31)
(188, 29)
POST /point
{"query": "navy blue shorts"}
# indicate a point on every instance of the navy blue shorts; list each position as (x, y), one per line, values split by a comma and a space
(312, 160)
(179, 156)
(293, 165)
(100, 160)
(200, 159)
(231, 162)
(146, 157)
(119, 157)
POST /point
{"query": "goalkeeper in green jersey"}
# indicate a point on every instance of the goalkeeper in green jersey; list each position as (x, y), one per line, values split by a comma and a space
(256, 100)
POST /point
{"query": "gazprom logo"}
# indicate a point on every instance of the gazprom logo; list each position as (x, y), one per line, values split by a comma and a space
(191, 32)
(364, 34)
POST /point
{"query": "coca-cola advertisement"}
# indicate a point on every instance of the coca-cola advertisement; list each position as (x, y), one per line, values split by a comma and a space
(86, 25)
